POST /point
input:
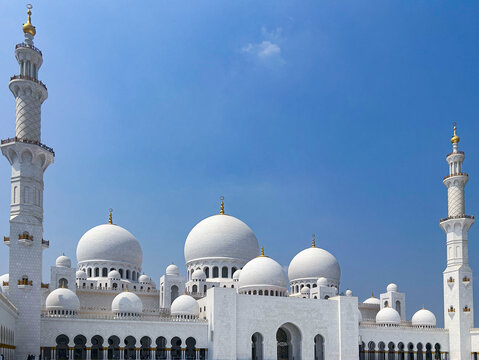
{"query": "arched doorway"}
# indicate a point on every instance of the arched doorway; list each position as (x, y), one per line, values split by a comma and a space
(288, 342)
(97, 348)
(62, 347)
(257, 346)
(318, 347)
(113, 347)
(145, 348)
(79, 351)
(130, 348)
(174, 293)
(190, 351)
(176, 348)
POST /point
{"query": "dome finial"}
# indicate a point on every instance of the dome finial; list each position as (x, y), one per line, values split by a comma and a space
(63, 284)
(314, 241)
(455, 138)
(28, 28)
(423, 307)
(127, 290)
(110, 217)
(262, 251)
(222, 206)
(372, 294)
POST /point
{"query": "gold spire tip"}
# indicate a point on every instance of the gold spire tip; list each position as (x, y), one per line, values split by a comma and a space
(372, 294)
(455, 139)
(314, 241)
(63, 284)
(127, 290)
(423, 306)
(28, 28)
(110, 217)
(222, 206)
(262, 251)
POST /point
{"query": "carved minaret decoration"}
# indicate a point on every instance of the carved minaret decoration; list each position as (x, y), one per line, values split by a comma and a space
(457, 277)
(28, 158)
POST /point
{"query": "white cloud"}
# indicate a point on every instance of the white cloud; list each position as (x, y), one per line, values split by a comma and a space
(268, 50)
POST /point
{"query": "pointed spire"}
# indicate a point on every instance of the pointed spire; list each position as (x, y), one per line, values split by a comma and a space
(262, 251)
(455, 139)
(63, 284)
(186, 292)
(222, 206)
(372, 294)
(423, 307)
(28, 28)
(314, 241)
(110, 217)
(127, 290)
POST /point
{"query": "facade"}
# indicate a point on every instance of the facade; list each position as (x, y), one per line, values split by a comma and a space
(234, 303)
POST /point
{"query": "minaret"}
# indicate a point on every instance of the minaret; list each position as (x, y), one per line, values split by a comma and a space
(28, 158)
(457, 277)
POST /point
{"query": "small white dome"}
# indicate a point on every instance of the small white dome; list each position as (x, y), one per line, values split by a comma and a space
(198, 274)
(62, 299)
(313, 263)
(221, 236)
(80, 274)
(236, 274)
(108, 242)
(144, 279)
(349, 293)
(172, 270)
(114, 275)
(388, 316)
(185, 305)
(63, 261)
(392, 287)
(424, 317)
(305, 290)
(262, 271)
(322, 281)
(372, 300)
(127, 303)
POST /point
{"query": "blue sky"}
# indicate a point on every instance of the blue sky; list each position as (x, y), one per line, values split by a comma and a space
(326, 117)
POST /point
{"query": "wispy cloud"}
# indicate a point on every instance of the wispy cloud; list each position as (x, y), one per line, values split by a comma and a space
(268, 50)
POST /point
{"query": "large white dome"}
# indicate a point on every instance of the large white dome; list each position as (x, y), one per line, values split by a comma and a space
(221, 236)
(127, 303)
(185, 305)
(313, 263)
(388, 316)
(109, 242)
(424, 317)
(62, 299)
(262, 271)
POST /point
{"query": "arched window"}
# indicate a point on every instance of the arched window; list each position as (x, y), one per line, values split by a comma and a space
(63, 283)
(391, 351)
(398, 307)
(206, 269)
(115, 285)
(401, 351)
(97, 272)
(224, 272)
(190, 352)
(161, 348)
(233, 270)
(128, 274)
(420, 354)
(176, 348)
(437, 352)
(97, 348)
(145, 352)
(371, 351)
(428, 351)
(215, 271)
(104, 272)
(89, 272)
(381, 351)
(257, 346)
(130, 348)
(174, 293)
(79, 351)
(113, 347)
(386, 304)
(318, 347)
(121, 273)
(194, 289)
(62, 346)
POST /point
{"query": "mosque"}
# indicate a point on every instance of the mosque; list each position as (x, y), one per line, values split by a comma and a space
(234, 303)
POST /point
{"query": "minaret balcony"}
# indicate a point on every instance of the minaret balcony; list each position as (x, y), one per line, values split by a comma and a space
(457, 217)
(6, 240)
(28, 46)
(27, 141)
(24, 283)
(26, 77)
(44, 286)
(25, 239)
(456, 174)
(45, 244)
(454, 153)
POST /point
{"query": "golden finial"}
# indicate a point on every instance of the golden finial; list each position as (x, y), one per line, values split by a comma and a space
(63, 284)
(127, 290)
(185, 292)
(372, 294)
(222, 207)
(455, 138)
(110, 218)
(423, 306)
(262, 251)
(314, 242)
(28, 28)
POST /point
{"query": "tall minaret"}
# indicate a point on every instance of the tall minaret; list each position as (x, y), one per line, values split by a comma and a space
(29, 159)
(457, 277)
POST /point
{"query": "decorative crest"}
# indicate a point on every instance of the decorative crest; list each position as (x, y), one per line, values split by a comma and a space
(455, 139)
(110, 217)
(28, 28)
(314, 241)
(222, 206)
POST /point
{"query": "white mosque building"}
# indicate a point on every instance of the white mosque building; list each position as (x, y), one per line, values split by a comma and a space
(235, 302)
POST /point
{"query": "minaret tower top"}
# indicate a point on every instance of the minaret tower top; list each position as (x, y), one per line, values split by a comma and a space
(28, 28)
